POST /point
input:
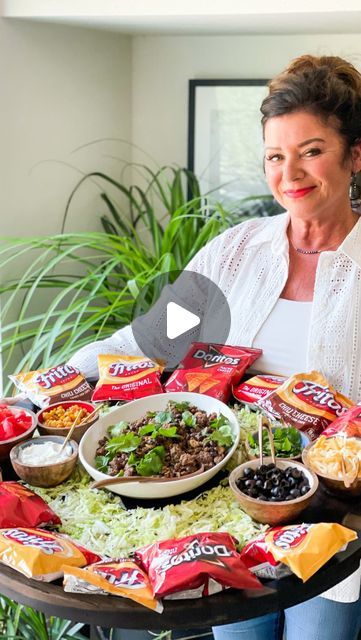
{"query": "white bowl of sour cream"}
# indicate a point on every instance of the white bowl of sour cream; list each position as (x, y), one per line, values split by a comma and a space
(41, 463)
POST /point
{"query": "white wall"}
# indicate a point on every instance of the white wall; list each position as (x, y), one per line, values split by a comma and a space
(61, 87)
(163, 65)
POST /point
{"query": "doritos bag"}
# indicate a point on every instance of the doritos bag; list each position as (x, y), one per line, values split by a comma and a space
(127, 378)
(306, 401)
(47, 386)
(349, 424)
(41, 554)
(212, 369)
(195, 566)
(20, 507)
(121, 577)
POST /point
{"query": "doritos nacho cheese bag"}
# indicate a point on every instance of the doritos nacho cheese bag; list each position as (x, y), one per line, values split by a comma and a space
(20, 507)
(47, 386)
(348, 424)
(306, 401)
(121, 577)
(127, 378)
(212, 369)
(40, 554)
(305, 548)
(195, 566)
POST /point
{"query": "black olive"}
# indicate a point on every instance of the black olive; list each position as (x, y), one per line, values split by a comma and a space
(267, 485)
(296, 473)
(250, 484)
(262, 469)
(305, 489)
(274, 499)
(275, 480)
(295, 493)
(248, 472)
(262, 497)
(257, 476)
(253, 493)
(291, 481)
(271, 466)
(259, 483)
(289, 497)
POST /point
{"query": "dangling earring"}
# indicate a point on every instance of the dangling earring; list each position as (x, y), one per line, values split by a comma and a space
(355, 190)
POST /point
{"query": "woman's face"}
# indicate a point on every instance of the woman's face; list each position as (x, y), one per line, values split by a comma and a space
(308, 168)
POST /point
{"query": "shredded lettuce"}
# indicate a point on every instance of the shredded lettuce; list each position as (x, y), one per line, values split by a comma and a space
(98, 520)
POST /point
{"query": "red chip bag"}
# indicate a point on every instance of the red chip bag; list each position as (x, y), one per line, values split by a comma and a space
(212, 369)
(306, 401)
(41, 554)
(195, 566)
(256, 388)
(20, 507)
(127, 378)
(349, 424)
(260, 561)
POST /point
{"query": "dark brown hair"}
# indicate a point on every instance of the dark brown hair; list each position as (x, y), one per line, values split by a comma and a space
(325, 86)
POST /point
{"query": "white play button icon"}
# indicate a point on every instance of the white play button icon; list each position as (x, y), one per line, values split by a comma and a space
(179, 320)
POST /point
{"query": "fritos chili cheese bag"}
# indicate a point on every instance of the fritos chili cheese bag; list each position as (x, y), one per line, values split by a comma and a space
(20, 507)
(256, 388)
(195, 566)
(212, 369)
(349, 424)
(121, 577)
(306, 401)
(47, 386)
(127, 378)
(305, 548)
(41, 554)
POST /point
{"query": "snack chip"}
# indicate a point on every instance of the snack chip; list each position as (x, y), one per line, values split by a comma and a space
(306, 401)
(41, 554)
(127, 378)
(256, 388)
(20, 507)
(212, 369)
(305, 548)
(121, 577)
(47, 386)
(195, 566)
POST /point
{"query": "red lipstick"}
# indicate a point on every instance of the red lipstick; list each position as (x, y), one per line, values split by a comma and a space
(298, 193)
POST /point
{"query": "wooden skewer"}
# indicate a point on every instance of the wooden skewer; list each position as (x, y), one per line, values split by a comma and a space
(90, 415)
(70, 431)
(260, 438)
(271, 442)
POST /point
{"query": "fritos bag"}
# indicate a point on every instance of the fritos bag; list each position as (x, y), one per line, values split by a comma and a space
(305, 548)
(306, 401)
(212, 369)
(47, 386)
(349, 424)
(127, 378)
(256, 388)
(41, 554)
(195, 566)
(121, 577)
(20, 507)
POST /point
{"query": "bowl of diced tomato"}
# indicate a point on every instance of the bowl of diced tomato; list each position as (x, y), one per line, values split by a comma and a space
(16, 425)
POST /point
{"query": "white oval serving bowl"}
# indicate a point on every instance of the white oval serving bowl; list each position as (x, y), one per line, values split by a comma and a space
(137, 409)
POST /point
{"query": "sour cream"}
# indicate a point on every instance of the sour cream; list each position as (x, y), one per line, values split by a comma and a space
(44, 453)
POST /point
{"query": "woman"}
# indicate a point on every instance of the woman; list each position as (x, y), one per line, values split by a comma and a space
(293, 282)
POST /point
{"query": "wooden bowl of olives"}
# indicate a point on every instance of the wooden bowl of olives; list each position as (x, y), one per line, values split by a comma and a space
(273, 494)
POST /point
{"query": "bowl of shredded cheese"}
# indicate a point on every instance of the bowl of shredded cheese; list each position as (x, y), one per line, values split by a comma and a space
(337, 462)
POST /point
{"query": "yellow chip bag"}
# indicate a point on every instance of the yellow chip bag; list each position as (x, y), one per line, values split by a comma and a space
(121, 577)
(127, 378)
(40, 554)
(305, 548)
(48, 386)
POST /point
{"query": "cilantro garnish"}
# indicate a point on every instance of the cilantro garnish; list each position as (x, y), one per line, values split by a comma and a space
(151, 464)
(126, 442)
(189, 419)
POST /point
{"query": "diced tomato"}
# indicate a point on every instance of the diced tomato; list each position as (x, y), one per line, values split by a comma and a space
(13, 422)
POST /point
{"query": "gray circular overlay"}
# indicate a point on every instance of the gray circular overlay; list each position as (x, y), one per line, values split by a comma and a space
(166, 310)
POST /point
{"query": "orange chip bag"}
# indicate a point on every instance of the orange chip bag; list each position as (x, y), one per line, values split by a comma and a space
(121, 577)
(306, 401)
(212, 369)
(305, 548)
(40, 554)
(127, 378)
(47, 386)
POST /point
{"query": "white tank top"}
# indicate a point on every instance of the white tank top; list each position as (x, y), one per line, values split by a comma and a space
(284, 338)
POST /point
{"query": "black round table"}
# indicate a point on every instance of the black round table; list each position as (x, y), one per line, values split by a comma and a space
(222, 608)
